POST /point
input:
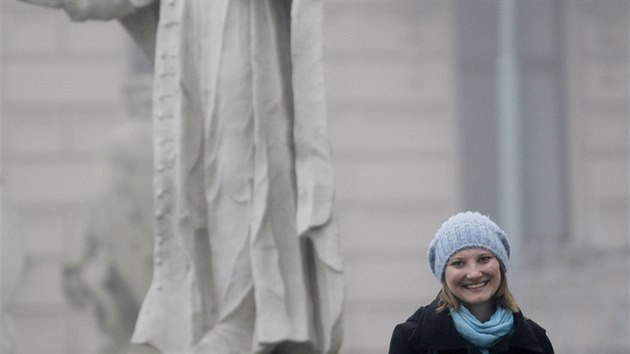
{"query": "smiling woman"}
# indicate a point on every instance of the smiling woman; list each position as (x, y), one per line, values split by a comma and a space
(473, 275)
(470, 255)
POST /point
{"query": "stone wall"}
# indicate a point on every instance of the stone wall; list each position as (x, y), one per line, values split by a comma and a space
(597, 97)
(392, 117)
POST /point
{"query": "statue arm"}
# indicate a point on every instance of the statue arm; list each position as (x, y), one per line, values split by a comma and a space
(81, 10)
(55, 4)
(142, 26)
(138, 17)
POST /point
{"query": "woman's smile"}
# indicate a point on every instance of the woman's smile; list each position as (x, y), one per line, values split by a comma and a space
(475, 285)
(473, 276)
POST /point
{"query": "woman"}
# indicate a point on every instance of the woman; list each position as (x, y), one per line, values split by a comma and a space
(475, 311)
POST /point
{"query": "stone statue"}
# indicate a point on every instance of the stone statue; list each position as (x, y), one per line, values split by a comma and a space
(12, 264)
(246, 256)
(114, 272)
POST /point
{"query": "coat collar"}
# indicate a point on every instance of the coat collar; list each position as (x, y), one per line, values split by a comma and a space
(436, 331)
(523, 336)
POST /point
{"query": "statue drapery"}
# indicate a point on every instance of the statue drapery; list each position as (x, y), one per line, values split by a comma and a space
(246, 254)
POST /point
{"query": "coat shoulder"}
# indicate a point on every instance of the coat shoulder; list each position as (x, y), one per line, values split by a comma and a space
(535, 326)
(541, 336)
(401, 337)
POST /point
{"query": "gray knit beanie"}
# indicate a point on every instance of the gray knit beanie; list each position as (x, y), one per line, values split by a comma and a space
(466, 230)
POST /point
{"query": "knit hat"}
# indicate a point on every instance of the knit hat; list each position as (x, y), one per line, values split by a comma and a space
(466, 230)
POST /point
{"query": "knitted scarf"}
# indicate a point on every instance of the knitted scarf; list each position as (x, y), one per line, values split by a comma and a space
(483, 335)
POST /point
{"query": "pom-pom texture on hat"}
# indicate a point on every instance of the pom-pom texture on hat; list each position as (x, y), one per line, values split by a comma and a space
(466, 230)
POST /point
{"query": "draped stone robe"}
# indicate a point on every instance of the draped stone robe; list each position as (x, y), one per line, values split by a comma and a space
(246, 254)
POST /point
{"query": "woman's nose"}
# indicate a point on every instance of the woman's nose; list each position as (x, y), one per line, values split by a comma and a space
(474, 273)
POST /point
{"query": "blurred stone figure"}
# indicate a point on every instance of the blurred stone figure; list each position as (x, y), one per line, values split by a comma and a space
(114, 274)
(246, 254)
(12, 268)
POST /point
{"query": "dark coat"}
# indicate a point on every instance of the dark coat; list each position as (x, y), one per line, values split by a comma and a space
(428, 331)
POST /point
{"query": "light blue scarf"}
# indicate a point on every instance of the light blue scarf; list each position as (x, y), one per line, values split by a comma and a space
(483, 335)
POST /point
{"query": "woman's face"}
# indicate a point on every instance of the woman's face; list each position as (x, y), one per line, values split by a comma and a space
(473, 275)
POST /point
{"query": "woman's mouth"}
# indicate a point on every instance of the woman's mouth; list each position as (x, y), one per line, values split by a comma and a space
(475, 285)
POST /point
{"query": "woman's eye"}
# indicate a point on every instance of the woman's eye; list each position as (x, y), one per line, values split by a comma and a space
(485, 259)
(457, 264)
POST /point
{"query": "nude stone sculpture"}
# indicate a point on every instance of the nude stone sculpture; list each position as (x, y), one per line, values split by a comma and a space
(114, 271)
(246, 254)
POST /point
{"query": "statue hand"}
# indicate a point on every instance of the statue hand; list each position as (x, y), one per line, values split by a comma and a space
(81, 10)
(47, 3)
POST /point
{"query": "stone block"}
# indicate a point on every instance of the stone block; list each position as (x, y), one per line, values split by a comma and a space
(41, 333)
(87, 338)
(367, 26)
(389, 277)
(610, 225)
(54, 182)
(62, 81)
(376, 81)
(377, 129)
(31, 135)
(350, 34)
(607, 131)
(606, 81)
(74, 233)
(30, 30)
(396, 179)
(86, 135)
(42, 233)
(609, 178)
(383, 230)
(368, 330)
(93, 37)
(41, 284)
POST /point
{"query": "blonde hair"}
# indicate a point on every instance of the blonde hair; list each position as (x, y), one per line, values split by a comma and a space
(502, 297)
